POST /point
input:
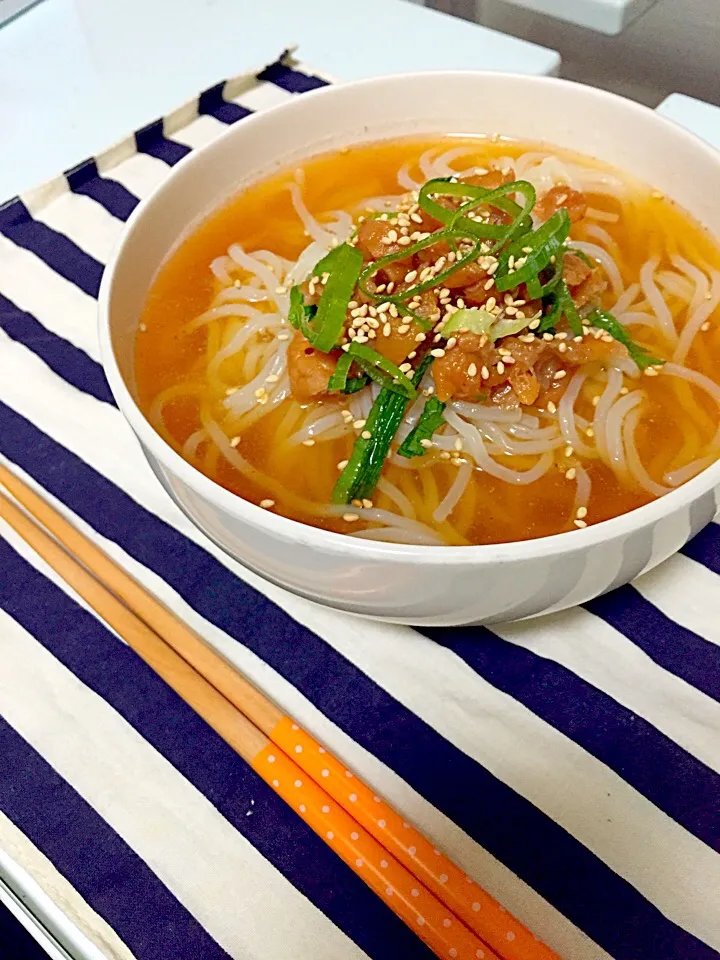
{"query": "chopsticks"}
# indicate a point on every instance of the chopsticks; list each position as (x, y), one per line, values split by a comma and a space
(447, 910)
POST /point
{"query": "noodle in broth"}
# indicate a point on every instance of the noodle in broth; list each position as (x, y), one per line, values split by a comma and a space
(213, 356)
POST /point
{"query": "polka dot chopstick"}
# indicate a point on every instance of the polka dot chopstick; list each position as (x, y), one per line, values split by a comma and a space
(447, 909)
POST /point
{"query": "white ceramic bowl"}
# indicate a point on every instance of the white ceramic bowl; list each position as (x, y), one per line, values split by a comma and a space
(412, 584)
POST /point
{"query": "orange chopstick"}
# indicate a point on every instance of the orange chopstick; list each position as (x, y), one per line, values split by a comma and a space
(374, 824)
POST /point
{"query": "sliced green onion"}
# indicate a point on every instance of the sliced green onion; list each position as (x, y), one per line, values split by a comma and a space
(435, 281)
(431, 419)
(341, 382)
(300, 315)
(537, 290)
(606, 321)
(359, 478)
(479, 196)
(381, 370)
(562, 305)
(507, 327)
(544, 243)
(477, 320)
(473, 319)
(343, 264)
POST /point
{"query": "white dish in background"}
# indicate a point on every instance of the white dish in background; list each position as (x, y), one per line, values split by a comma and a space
(412, 584)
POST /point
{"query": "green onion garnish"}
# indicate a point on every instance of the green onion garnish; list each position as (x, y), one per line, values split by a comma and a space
(343, 264)
(479, 196)
(543, 244)
(381, 370)
(359, 478)
(537, 289)
(434, 281)
(300, 315)
(431, 419)
(341, 382)
(606, 321)
(562, 305)
(472, 319)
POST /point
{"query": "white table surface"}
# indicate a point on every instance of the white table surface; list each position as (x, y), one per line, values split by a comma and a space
(701, 118)
(77, 75)
(606, 16)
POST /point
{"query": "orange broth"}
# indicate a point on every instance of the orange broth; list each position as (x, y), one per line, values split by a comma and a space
(677, 420)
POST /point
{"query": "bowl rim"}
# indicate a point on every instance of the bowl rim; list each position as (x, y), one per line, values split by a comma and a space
(329, 541)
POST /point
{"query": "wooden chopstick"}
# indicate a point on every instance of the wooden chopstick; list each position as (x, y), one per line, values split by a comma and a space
(258, 730)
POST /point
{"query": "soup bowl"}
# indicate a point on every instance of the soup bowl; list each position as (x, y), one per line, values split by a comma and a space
(423, 585)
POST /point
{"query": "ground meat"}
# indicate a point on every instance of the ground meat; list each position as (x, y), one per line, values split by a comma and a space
(591, 289)
(396, 346)
(558, 197)
(575, 269)
(469, 275)
(308, 369)
(459, 373)
(370, 236)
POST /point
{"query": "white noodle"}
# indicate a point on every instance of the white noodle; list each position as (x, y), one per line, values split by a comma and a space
(219, 268)
(614, 431)
(608, 398)
(655, 299)
(593, 214)
(457, 489)
(327, 426)
(627, 299)
(314, 229)
(635, 466)
(395, 494)
(475, 446)
(703, 305)
(566, 416)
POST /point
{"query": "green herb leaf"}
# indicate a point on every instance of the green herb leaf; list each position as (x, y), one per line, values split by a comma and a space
(474, 319)
(359, 478)
(343, 264)
(544, 243)
(480, 196)
(300, 315)
(606, 321)
(431, 419)
(562, 305)
(380, 369)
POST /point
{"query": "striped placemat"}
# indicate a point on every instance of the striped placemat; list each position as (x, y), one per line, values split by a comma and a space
(570, 764)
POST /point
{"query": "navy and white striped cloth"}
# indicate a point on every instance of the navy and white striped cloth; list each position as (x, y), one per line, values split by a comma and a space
(570, 764)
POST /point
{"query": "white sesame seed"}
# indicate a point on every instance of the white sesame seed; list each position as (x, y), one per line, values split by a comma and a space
(283, 336)
(231, 390)
(485, 373)
(581, 513)
(551, 407)
(623, 391)
(260, 392)
(590, 432)
(342, 464)
(350, 517)
(444, 455)
(705, 327)
(560, 374)
(359, 424)
(309, 442)
(419, 337)
(580, 524)
(404, 241)
(472, 370)
(651, 372)
(403, 328)
(534, 324)
(235, 441)
(387, 329)
(571, 473)
(500, 367)
(405, 367)
(266, 504)
(426, 443)
(439, 352)
(569, 451)
(458, 443)
(366, 435)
